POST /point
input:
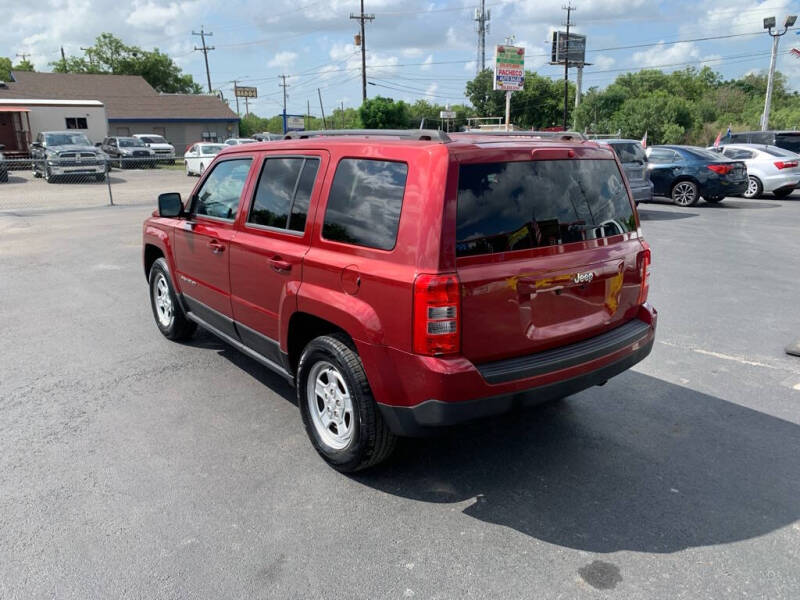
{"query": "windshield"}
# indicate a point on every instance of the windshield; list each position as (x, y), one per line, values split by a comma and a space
(211, 148)
(66, 139)
(508, 206)
(154, 139)
(130, 143)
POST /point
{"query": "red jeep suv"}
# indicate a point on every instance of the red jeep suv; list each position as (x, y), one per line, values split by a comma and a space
(405, 280)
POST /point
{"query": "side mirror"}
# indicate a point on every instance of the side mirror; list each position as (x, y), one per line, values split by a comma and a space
(36, 145)
(170, 205)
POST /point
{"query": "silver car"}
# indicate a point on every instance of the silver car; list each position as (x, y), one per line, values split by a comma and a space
(634, 163)
(769, 168)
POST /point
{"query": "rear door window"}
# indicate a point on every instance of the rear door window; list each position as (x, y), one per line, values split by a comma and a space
(284, 193)
(509, 206)
(365, 202)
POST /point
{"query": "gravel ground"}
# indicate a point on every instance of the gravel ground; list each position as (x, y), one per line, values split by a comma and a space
(133, 467)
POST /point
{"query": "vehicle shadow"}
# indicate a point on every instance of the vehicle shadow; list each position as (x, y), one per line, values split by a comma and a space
(660, 215)
(640, 464)
(276, 383)
(12, 179)
(726, 203)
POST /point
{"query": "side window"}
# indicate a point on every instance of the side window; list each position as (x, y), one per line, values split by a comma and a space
(284, 193)
(660, 156)
(219, 196)
(365, 202)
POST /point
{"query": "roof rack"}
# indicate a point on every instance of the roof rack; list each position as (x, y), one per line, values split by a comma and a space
(562, 135)
(433, 135)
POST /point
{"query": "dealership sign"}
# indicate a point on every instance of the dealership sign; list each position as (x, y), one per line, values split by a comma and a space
(245, 92)
(509, 68)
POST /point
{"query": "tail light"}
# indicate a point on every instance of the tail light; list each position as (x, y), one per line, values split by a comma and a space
(644, 266)
(721, 169)
(437, 315)
(786, 164)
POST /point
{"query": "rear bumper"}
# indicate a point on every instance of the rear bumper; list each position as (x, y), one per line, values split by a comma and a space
(723, 187)
(441, 392)
(642, 193)
(780, 182)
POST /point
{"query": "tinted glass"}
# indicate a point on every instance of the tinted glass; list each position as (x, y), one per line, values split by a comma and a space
(154, 139)
(662, 155)
(520, 205)
(790, 142)
(302, 197)
(701, 154)
(274, 194)
(211, 149)
(738, 153)
(130, 142)
(630, 152)
(365, 202)
(775, 151)
(219, 196)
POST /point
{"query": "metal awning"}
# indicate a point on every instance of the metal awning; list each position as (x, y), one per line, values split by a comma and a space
(14, 109)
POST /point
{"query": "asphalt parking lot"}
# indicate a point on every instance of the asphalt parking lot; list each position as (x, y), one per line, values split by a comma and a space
(133, 467)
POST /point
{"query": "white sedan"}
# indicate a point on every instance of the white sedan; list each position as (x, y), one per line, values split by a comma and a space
(769, 168)
(199, 156)
(237, 141)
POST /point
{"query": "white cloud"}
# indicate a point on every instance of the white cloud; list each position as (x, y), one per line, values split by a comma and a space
(283, 60)
(427, 63)
(602, 62)
(411, 52)
(471, 66)
(663, 54)
(431, 91)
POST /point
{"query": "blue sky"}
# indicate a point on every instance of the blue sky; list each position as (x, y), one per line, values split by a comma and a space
(415, 48)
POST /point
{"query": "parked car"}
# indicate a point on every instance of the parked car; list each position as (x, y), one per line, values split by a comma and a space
(788, 140)
(3, 165)
(685, 173)
(266, 136)
(199, 156)
(406, 280)
(56, 154)
(126, 152)
(164, 151)
(634, 165)
(769, 168)
(237, 141)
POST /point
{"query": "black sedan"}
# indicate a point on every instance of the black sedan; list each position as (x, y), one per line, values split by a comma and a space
(685, 173)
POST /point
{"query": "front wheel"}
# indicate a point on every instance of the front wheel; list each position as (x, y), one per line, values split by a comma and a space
(170, 318)
(780, 194)
(685, 193)
(48, 176)
(340, 415)
(754, 187)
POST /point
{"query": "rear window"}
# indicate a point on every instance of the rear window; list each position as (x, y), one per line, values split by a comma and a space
(775, 151)
(365, 202)
(519, 205)
(703, 154)
(629, 152)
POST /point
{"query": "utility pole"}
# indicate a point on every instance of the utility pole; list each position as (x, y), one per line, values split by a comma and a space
(569, 8)
(24, 56)
(236, 96)
(308, 114)
(63, 59)
(362, 18)
(769, 23)
(322, 110)
(482, 18)
(343, 114)
(284, 85)
(90, 54)
(205, 50)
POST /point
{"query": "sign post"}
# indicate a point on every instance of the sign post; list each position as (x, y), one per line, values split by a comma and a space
(509, 73)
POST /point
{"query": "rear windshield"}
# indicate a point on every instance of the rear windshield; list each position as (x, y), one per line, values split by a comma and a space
(788, 141)
(629, 152)
(509, 206)
(775, 151)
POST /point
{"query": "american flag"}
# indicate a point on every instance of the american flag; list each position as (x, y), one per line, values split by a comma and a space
(795, 52)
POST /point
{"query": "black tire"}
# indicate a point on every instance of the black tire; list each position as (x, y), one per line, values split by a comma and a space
(48, 177)
(754, 187)
(179, 327)
(100, 177)
(685, 193)
(715, 199)
(3, 176)
(781, 194)
(371, 441)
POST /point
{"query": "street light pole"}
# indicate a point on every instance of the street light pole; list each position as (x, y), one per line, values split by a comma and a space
(769, 23)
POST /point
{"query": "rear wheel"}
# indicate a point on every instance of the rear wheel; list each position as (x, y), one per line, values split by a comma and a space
(754, 187)
(783, 193)
(685, 193)
(340, 415)
(169, 316)
(202, 168)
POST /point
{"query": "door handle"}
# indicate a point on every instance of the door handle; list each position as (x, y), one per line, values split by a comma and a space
(216, 247)
(279, 265)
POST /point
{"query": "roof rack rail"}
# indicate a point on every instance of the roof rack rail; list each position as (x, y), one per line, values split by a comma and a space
(434, 135)
(562, 135)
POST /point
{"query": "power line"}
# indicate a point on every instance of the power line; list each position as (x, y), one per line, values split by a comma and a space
(205, 49)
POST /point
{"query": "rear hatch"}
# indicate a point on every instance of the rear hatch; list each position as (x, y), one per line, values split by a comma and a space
(634, 161)
(546, 251)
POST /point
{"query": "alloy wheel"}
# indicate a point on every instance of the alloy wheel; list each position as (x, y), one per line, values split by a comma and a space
(752, 188)
(330, 405)
(684, 194)
(163, 301)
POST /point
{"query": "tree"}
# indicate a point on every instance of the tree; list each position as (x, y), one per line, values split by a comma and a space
(110, 55)
(6, 67)
(384, 113)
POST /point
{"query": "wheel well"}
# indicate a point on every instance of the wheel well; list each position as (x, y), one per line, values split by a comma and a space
(303, 328)
(151, 254)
